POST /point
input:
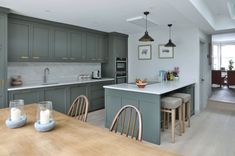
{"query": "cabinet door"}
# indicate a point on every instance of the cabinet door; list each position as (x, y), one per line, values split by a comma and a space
(41, 42)
(77, 45)
(91, 47)
(58, 96)
(102, 48)
(120, 46)
(60, 44)
(19, 40)
(29, 96)
(75, 91)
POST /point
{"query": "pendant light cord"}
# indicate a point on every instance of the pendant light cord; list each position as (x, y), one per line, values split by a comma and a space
(170, 32)
(146, 22)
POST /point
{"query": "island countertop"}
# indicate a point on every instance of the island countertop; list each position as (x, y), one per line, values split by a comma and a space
(156, 88)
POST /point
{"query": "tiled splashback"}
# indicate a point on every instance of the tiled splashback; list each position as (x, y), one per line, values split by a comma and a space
(33, 72)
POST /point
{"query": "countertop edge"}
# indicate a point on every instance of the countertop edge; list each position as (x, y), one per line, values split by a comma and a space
(142, 90)
(58, 84)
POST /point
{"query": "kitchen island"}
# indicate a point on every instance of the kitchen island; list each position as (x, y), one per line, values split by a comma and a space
(147, 100)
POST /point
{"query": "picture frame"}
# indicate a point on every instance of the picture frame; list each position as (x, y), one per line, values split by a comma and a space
(165, 52)
(145, 52)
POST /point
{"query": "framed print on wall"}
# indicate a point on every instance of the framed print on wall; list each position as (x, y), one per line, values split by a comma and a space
(165, 52)
(144, 52)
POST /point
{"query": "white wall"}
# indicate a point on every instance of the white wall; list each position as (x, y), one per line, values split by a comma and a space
(32, 73)
(186, 56)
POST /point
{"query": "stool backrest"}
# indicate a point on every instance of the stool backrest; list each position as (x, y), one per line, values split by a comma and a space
(79, 108)
(129, 126)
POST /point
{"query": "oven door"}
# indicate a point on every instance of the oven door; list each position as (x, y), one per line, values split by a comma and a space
(121, 66)
(121, 79)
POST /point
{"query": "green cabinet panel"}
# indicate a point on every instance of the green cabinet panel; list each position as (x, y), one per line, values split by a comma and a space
(29, 96)
(75, 91)
(102, 48)
(41, 42)
(91, 46)
(60, 44)
(77, 45)
(120, 47)
(3, 59)
(58, 96)
(19, 40)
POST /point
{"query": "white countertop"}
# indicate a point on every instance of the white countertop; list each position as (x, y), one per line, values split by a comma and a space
(156, 88)
(33, 86)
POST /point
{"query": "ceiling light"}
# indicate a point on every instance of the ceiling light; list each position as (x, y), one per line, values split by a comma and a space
(146, 37)
(170, 43)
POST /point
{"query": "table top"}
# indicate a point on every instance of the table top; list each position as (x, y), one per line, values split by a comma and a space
(156, 88)
(70, 137)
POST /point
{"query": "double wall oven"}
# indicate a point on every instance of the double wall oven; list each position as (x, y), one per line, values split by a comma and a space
(121, 70)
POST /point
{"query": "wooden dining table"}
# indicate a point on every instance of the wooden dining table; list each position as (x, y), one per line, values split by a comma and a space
(69, 137)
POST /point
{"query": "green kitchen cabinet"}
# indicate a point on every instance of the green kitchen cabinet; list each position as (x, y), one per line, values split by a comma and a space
(77, 45)
(96, 95)
(58, 96)
(29, 96)
(102, 48)
(60, 44)
(3, 56)
(75, 91)
(41, 42)
(91, 47)
(19, 40)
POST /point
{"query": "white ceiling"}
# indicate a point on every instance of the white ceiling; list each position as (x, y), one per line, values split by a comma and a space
(111, 15)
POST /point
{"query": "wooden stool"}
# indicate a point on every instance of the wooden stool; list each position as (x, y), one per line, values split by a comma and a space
(169, 105)
(186, 98)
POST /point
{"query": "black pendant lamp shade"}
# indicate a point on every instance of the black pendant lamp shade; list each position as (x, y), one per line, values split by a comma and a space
(170, 43)
(146, 37)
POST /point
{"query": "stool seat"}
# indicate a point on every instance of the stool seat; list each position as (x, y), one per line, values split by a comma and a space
(170, 102)
(185, 97)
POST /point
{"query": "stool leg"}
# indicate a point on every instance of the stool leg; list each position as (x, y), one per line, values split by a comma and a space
(180, 119)
(183, 117)
(167, 120)
(173, 125)
(163, 124)
(189, 112)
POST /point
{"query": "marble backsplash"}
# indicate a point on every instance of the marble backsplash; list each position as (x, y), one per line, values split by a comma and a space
(32, 73)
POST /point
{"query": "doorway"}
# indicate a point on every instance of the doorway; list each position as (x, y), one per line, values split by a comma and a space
(205, 74)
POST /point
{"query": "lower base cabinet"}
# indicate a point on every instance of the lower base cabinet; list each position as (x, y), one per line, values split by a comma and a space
(63, 96)
(58, 96)
(29, 95)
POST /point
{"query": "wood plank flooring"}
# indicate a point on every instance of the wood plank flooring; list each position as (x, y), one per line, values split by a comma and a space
(211, 132)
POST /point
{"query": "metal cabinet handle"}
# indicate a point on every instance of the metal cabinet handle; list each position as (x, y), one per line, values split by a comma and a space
(72, 58)
(36, 57)
(24, 57)
(64, 58)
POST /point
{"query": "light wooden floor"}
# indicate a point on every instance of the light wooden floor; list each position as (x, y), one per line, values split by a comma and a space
(212, 132)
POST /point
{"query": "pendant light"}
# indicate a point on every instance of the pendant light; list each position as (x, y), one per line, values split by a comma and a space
(146, 37)
(170, 43)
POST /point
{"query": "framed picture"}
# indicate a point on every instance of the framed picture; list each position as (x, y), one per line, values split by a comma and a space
(165, 52)
(145, 52)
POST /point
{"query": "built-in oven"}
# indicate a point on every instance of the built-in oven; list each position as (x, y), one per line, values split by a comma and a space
(121, 79)
(121, 70)
(121, 64)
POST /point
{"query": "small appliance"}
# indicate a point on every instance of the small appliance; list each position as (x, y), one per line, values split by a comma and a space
(96, 74)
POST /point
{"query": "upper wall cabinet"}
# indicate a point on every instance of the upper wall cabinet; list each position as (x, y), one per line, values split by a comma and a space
(41, 42)
(18, 40)
(34, 40)
(60, 44)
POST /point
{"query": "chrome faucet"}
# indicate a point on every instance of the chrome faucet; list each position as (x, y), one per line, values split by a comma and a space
(46, 72)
